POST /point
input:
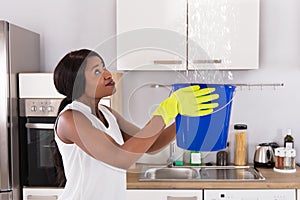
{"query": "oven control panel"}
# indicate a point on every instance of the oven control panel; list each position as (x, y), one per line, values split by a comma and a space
(39, 107)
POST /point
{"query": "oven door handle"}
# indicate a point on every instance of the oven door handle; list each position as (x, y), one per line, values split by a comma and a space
(39, 126)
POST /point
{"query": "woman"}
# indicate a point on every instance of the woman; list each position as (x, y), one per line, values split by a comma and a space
(97, 145)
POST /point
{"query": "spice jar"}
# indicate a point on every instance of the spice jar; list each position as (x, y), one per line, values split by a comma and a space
(293, 161)
(289, 160)
(285, 160)
(240, 157)
(279, 158)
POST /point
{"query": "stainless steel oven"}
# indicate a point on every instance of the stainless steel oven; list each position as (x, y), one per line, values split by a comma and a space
(36, 121)
(38, 106)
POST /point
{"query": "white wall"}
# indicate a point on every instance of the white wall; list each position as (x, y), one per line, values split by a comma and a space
(63, 25)
(72, 24)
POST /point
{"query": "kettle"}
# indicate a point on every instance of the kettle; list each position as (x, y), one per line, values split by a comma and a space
(264, 156)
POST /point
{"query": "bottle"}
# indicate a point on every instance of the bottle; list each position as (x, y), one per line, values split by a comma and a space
(289, 140)
(240, 157)
(195, 158)
(186, 157)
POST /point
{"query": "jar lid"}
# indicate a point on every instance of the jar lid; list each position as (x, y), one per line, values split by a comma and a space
(280, 151)
(240, 126)
(290, 153)
(277, 151)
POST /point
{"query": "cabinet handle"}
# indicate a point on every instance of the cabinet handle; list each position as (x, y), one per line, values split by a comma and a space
(181, 198)
(167, 62)
(37, 197)
(213, 61)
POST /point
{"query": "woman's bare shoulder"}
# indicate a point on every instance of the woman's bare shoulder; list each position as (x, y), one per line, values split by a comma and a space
(68, 124)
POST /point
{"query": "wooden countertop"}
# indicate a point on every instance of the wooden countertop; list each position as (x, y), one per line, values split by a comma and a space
(274, 180)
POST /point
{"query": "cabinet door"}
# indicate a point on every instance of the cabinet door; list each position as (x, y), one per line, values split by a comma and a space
(151, 35)
(223, 34)
(164, 194)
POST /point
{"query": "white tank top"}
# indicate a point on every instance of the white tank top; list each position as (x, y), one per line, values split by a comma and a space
(88, 178)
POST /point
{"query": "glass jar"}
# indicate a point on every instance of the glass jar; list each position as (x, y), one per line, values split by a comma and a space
(240, 157)
(293, 161)
(279, 158)
(287, 159)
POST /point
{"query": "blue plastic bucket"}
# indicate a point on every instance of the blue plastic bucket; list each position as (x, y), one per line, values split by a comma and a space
(209, 132)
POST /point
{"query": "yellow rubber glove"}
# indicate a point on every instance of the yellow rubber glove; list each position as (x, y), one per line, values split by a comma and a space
(190, 101)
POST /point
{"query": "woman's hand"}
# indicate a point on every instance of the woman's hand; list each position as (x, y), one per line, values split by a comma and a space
(190, 101)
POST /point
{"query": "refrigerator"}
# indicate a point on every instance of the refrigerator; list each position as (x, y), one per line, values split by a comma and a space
(19, 52)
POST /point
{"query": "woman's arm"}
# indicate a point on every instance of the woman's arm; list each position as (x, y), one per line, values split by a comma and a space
(167, 136)
(128, 130)
(74, 127)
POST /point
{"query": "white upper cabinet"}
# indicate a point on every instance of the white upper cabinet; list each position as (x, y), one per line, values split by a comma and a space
(223, 34)
(193, 34)
(151, 35)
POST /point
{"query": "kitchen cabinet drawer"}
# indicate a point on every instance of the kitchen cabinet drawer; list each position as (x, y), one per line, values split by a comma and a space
(41, 193)
(257, 194)
(164, 194)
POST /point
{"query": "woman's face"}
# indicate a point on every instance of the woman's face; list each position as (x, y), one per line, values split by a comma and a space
(99, 82)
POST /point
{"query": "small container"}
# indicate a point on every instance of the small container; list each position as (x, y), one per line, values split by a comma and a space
(222, 157)
(285, 160)
(279, 158)
(196, 158)
(240, 157)
(293, 160)
(186, 157)
(289, 160)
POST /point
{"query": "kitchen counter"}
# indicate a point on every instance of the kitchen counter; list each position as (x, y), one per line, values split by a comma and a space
(274, 180)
